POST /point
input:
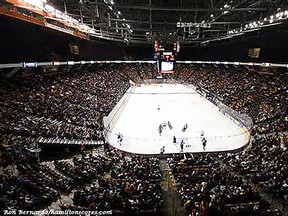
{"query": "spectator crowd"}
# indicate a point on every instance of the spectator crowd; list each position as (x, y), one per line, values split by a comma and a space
(261, 95)
(71, 104)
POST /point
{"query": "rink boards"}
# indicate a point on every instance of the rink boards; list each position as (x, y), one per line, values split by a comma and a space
(138, 118)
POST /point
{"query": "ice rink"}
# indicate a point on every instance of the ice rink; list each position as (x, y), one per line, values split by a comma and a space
(148, 106)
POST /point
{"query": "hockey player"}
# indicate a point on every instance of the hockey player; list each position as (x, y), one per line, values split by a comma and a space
(162, 150)
(160, 129)
(185, 127)
(174, 139)
(169, 125)
(204, 142)
(182, 145)
(202, 133)
(119, 138)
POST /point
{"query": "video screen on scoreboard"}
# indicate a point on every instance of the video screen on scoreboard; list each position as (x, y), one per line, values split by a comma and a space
(167, 66)
(166, 63)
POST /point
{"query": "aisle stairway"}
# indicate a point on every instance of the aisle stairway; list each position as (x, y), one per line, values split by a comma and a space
(171, 202)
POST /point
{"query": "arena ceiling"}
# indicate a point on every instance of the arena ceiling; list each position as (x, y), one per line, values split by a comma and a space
(187, 21)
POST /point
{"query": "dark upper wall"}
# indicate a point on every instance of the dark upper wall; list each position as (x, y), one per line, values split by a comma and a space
(22, 41)
(273, 43)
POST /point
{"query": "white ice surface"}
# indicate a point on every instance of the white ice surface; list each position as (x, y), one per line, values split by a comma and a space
(179, 104)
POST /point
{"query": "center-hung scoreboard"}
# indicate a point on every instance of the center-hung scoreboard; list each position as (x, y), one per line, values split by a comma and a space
(166, 63)
(166, 60)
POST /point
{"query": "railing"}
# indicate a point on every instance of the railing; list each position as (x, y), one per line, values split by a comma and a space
(240, 119)
(18, 15)
(110, 120)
